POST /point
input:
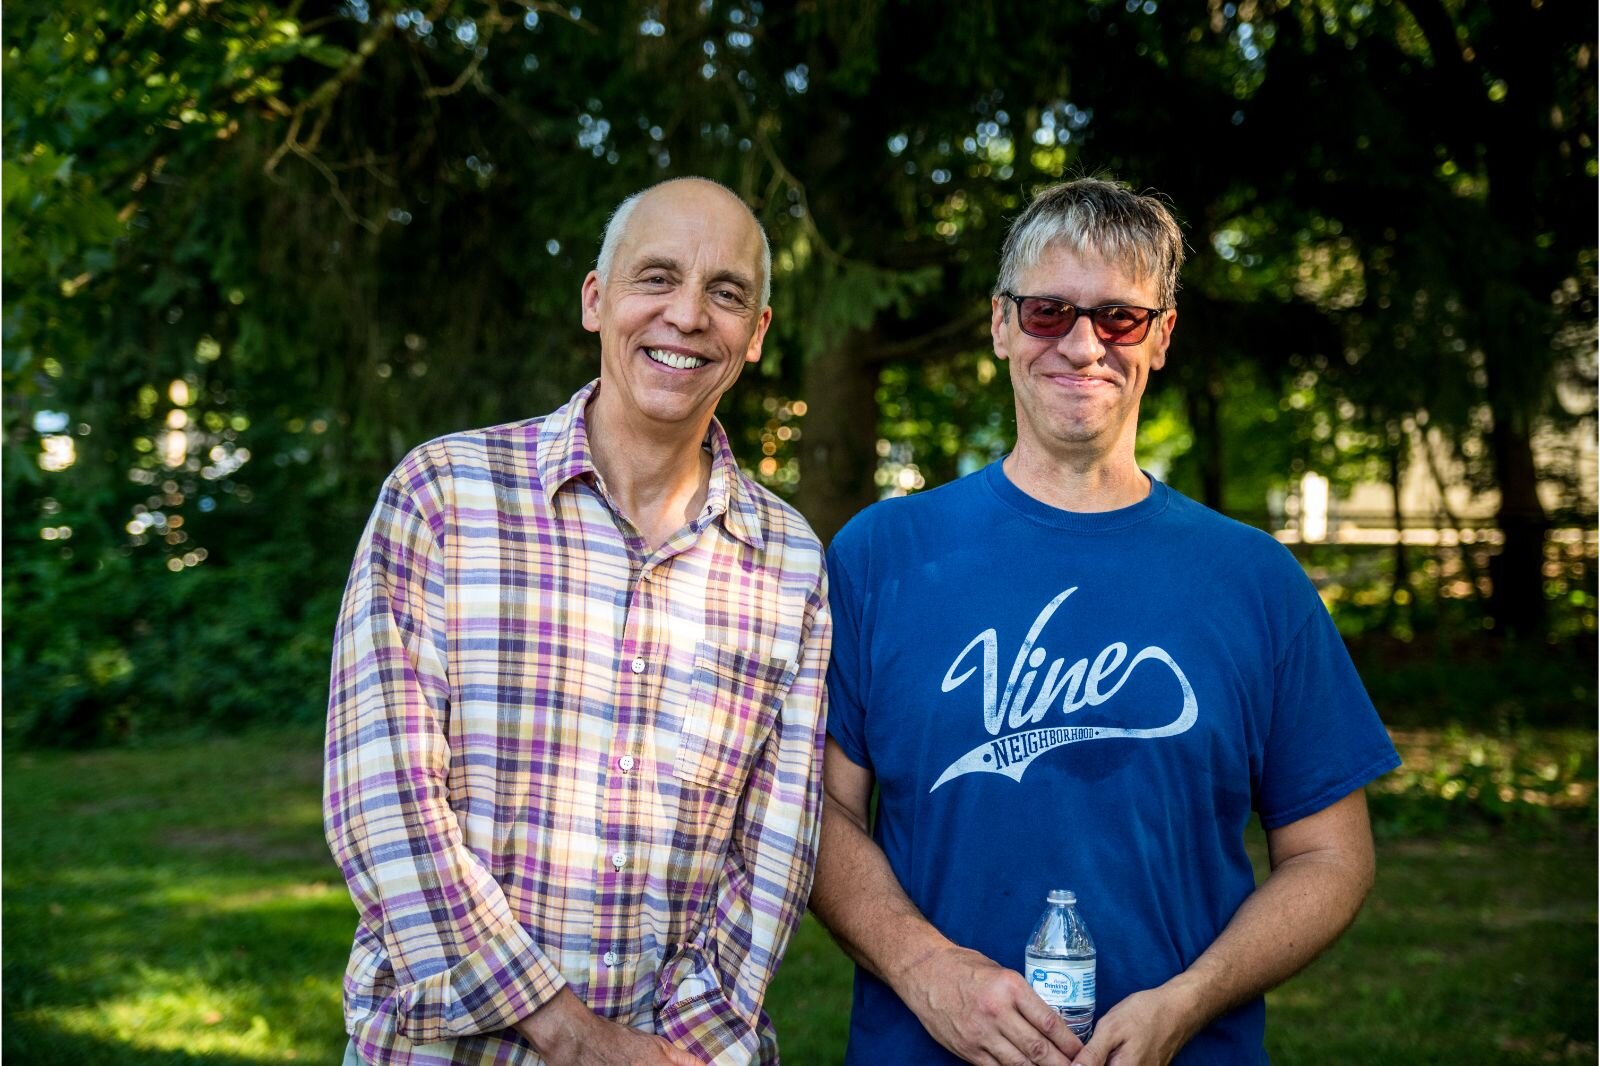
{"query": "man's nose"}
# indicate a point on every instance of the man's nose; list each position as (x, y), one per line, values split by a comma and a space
(686, 309)
(1079, 344)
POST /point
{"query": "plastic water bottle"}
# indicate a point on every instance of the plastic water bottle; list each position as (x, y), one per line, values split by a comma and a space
(1060, 962)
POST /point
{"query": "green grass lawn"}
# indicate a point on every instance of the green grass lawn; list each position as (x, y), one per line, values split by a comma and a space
(175, 904)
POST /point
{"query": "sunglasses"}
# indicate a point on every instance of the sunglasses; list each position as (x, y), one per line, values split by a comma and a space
(1050, 319)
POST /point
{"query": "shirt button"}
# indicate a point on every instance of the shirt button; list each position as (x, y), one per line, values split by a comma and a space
(619, 860)
(609, 958)
(626, 763)
(638, 664)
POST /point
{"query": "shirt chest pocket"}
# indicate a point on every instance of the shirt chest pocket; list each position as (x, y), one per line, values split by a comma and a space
(733, 702)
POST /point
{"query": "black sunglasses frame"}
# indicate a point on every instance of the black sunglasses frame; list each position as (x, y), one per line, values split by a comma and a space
(1088, 312)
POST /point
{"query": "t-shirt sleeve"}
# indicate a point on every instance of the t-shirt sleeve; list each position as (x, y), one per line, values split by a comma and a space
(1325, 739)
(847, 680)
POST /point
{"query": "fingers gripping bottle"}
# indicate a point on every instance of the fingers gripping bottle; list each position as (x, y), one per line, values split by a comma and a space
(1060, 962)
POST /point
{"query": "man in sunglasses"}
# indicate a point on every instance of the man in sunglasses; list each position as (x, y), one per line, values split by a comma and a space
(1060, 673)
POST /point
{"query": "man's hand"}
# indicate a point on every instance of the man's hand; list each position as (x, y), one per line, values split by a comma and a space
(567, 1033)
(1146, 1029)
(983, 1012)
(1322, 867)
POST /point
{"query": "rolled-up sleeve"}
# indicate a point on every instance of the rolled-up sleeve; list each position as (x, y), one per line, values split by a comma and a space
(711, 989)
(461, 962)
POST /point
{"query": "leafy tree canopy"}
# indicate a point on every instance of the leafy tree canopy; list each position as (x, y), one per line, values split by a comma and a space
(254, 252)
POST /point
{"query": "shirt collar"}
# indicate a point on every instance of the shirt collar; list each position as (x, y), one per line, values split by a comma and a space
(563, 450)
(563, 454)
(729, 493)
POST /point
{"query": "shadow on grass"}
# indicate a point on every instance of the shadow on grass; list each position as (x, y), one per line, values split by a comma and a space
(176, 906)
(172, 906)
(40, 1044)
(253, 970)
(1471, 949)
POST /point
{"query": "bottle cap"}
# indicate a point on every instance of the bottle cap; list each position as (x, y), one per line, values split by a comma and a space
(1062, 895)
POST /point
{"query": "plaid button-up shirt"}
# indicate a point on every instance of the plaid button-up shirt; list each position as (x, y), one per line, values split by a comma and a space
(557, 757)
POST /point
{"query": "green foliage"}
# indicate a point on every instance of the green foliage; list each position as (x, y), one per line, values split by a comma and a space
(1454, 778)
(206, 325)
(1479, 682)
(129, 649)
(254, 253)
(103, 100)
(942, 420)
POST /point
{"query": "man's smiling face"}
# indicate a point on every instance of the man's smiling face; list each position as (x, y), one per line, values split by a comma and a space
(680, 314)
(1078, 396)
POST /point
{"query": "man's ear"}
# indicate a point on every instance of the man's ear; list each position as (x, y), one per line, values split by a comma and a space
(1169, 321)
(997, 326)
(591, 290)
(752, 352)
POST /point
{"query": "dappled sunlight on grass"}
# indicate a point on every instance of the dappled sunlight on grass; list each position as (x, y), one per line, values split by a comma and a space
(177, 1010)
(171, 904)
(278, 896)
(161, 910)
(224, 965)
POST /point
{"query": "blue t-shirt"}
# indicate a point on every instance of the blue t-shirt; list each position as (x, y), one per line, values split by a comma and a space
(1095, 702)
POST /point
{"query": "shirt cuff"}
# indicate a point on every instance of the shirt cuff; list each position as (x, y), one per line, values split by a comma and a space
(504, 981)
(695, 1015)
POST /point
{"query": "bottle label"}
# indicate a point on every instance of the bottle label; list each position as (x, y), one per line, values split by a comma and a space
(1064, 984)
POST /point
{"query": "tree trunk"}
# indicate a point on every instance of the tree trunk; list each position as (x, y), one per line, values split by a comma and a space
(1517, 572)
(1204, 406)
(1400, 587)
(839, 451)
(1518, 378)
(1520, 143)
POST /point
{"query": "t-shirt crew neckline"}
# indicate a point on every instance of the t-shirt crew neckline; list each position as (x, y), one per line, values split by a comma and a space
(994, 476)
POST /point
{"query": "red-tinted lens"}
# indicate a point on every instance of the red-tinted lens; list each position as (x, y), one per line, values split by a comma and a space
(1116, 323)
(1046, 318)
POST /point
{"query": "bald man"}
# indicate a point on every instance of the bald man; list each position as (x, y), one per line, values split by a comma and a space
(576, 716)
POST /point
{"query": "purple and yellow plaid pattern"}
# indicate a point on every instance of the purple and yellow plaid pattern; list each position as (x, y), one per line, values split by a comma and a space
(556, 757)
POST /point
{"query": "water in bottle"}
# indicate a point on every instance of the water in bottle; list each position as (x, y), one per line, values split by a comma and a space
(1060, 962)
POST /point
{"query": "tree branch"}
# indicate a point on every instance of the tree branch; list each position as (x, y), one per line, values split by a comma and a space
(1468, 97)
(1436, 26)
(960, 334)
(560, 11)
(322, 98)
(759, 135)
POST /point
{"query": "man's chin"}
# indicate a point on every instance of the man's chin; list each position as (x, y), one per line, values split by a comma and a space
(672, 410)
(1075, 433)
